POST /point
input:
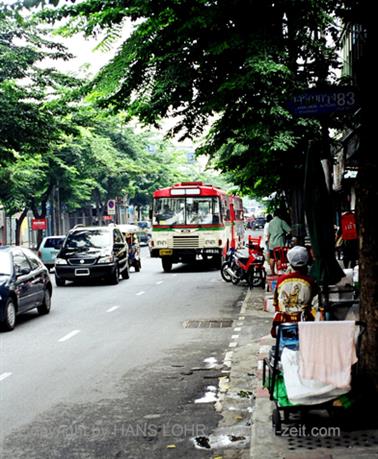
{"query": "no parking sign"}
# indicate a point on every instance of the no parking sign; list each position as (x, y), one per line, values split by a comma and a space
(111, 207)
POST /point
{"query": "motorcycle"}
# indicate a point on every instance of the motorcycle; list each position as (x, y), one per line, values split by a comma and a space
(246, 266)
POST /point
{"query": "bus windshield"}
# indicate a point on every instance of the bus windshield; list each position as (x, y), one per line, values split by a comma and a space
(187, 211)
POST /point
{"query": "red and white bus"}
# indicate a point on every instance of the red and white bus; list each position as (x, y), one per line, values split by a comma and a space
(191, 220)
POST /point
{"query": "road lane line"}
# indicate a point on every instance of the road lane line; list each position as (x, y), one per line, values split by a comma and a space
(69, 336)
(140, 293)
(234, 336)
(233, 344)
(159, 282)
(237, 329)
(112, 309)
(5, 375)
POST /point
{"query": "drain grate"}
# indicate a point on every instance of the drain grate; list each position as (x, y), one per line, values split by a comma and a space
(208, 323)
(344, 440)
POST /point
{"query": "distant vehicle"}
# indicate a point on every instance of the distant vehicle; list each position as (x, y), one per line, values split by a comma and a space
(24, 284)
(49, 248)
(144, 224)
(258, 223)
(92, 252)
(144, 234)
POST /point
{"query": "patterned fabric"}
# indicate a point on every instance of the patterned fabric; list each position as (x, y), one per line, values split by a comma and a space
(294, 293)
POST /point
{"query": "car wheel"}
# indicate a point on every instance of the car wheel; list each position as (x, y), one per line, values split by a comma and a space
(114, 277)
(46, 304)
(60, 282)
(126, 272)
(10, 315)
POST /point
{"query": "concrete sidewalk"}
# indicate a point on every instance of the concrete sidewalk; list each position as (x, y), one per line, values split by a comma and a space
(247, 409)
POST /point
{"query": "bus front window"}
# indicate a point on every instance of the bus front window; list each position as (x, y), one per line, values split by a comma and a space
(187, 211)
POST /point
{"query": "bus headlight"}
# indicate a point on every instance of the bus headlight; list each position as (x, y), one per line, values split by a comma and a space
(161, 243)
(210, 242)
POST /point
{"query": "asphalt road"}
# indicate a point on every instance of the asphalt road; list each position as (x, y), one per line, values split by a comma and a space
(113, 372)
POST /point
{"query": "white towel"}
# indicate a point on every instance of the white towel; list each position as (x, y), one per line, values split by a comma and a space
(327, 351)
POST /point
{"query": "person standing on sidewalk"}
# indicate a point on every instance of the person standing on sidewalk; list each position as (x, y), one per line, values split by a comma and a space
(293, 295)
(278, 230)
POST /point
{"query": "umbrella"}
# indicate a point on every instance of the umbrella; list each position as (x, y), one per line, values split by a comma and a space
(319, 215)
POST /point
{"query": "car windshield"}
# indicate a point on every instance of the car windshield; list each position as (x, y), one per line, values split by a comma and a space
(87, 239)
(5, 263)
(187, 211)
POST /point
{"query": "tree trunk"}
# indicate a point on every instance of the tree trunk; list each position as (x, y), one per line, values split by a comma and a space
(19, 223)
(367, 198)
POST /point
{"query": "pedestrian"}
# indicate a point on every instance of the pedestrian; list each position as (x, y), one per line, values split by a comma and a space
(294, 292)
(269, 217)
(278, 230)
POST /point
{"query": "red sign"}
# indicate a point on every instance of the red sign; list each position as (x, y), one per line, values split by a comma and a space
(107, 217)
(39, 224)
(348, 226)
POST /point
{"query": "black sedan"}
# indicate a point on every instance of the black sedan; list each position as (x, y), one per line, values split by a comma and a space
(24, 284)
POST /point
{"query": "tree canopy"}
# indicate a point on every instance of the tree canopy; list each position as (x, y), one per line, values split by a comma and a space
(237, 63)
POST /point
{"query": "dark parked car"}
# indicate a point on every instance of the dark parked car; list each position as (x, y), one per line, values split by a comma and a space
(92, 252)
(24, 284)
(259, 223)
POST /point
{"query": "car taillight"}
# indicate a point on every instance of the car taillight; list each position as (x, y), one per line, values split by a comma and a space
(39, 253)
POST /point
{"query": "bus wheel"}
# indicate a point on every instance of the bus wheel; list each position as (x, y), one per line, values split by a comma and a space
(167, 264)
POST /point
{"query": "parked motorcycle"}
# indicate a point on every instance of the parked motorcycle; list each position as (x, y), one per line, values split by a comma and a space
(247, 265)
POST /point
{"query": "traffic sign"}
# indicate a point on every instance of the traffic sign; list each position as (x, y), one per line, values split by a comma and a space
(111, 207)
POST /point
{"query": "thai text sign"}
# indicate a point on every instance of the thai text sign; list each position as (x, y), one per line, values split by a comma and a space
(322, 101)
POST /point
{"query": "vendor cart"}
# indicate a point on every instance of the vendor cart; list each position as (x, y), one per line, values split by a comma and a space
(274, 378)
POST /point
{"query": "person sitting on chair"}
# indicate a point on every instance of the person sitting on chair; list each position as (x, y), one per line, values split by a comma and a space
(294, 291)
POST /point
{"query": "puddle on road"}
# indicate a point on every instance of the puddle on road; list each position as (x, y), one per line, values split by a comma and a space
(209, 397)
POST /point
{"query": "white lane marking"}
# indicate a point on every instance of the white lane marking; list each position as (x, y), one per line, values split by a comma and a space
(228, 359)
(239, 323)
(140, 293)
(69, 336)
(237, 329)
(159, 282)
(233, 344)
(241, 318)
(112, 309)
(174, 275)
(5, 375)
(234, 336)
